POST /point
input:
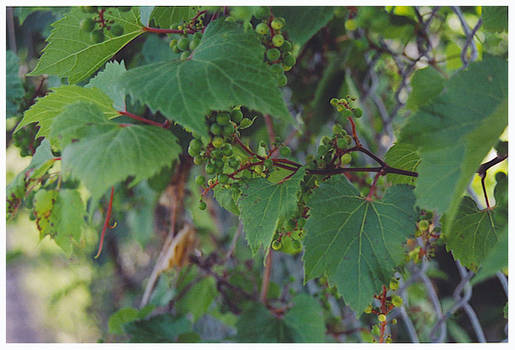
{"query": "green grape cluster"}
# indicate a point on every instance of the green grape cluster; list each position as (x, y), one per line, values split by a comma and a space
(185, 45)
(279, 54)
(288, 239)
(25, 139)
(345, 107)
(218, 154)
(331, 150)
(98, 24)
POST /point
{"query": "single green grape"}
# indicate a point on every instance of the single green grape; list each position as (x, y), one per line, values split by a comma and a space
(423, 225)
(210, 169)
(277, 68)
(357, 112)
(287, 46)
(268, 163)
(289, 60)
(117, 30)
(183, 44)
(215, 129)
(202, 205)
(223, 179)
(276, 244)
(200, 180)
(347, 113)
(394, 284)
(333, 101)
(342, 143)
(97, 36)
(262, 28)
(278, 23)
(173, 43)
(227, 150)
(397, 301)
(283, 80)
(223, 118)
(278, 40)
(245, 123)
(228, 130)
(194, 44)
(236, 115)
(87, 25)
(217, 142)
(273, 54)
(197, 160)
(346, 158)
(234, 163)
(184, 56)
(381, 317)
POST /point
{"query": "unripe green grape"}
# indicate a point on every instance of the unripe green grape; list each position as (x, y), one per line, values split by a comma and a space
(87, 25)
(245, 123)
(223, 118)
(333, 101)
(262, 12)
(217, 154)
(262, 28)
(246, 174)
(277, 68)
(397, 301)
(202, 205)
(217, 142)
(394, 284)
(228, 130)
(278, 40)
(197, 160)
(278, 23)
(227, 150)
(200, 180)
(219, 164)
(381, 317)
(117, 30)
(273, 54)
(175, 49)
(215, 129)
(342, 143)
(347, 113)
(346, 158)
(194, 44)
(423, 225)
(358, 112)
(268, 163)
(210, 169)
(325, 140)
(223, 179)
(124, 8)
(230, 19)
(337, 129)
(234, 163)
(196, 144)
(322, 150)
(97, 36)
(258, 169)
(296, 245)
(184, 56)
(289, 60)
(348, 138)
(276, 244)
(287, 46)
(283, 80)
(284, 151)
(173, 43)
(236, 115)
(183, 44)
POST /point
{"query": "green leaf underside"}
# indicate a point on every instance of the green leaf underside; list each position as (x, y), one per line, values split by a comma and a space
(356, 242)
(497, 258)
(263, 205)
(302, 22)
(426, 84)
(47, 108)
(495, 18)
(108, 153)
(108, 81)
(68, 218)
(226, 69)
(225, 198)
(402, 156)
(14, 88)
(164, 17)
(456, 131)
(472, 234)
(302, 323)
(70, 52)
(163, 328)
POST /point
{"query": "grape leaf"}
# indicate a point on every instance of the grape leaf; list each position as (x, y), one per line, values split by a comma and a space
(358, 243)
(224, 197)
(226, 69)
(47, 108)
(107, 152)
(155, 49)
(472, 234)
(108, 81)
(302, 22)
(495, 18)
(496, 260)
(14, 88)
(164, 328)
(60, 215)
(126, 315)
(198, 298)
(455, 132)
(164, 17)
(71, 53)
(426, 84)
(304, 322)
(402, 156)
(264, 205)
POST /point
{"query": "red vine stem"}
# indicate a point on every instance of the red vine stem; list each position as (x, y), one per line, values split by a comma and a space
(144, 120)
(106, 223)
(354, 134)
(266, 277)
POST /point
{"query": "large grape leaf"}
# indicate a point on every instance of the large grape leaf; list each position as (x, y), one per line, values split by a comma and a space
(426, 84)
(302, 22)
(402, 156)
(14, 88)
(47, 108)
(108, 81)
(304, 322)
(472, 234)
(455, 132)
(165, 16)
(226, 69)
(497, 258)
(164, 328)
(264, 205)
(357, 242)
(71, 53)
(108, 152)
